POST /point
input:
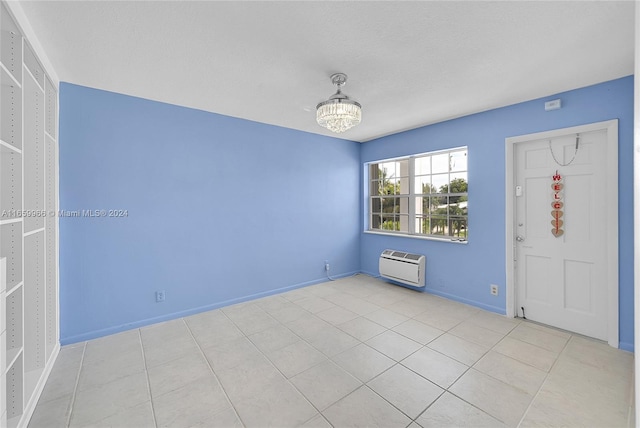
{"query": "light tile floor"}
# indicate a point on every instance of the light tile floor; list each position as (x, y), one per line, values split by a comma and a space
(353, 352)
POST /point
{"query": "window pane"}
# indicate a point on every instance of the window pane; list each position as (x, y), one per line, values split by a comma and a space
(438, 225)
(421, 206)
(422, 225)
(439, 206)
(440, 183)
(459, 161)
(375, 188)
(403, 186)
(436, 203)
(423, 185)
(457, 199)
(425, 205)
(455, 208)
(459, 176)
(388, 205)
(458, 227)
(376, 222)
(396, 186)
(423, 165)
(443, 208)
(458, 183)
(390, 223)
(376, 205)
(404, 223)
(402, 205)
(374, 171)
(440, 163)
(387, 170)
(394, 169)
(392, 187)
(402, 168)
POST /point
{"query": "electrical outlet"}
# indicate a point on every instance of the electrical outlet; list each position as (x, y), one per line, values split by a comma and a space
(326, 266)
(494, 289)
(159, 296)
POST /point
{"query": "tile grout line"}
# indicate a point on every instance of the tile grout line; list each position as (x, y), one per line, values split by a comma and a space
(75, 387)
(546, 379)
(446, 390)
(524, 362)
(271, 362)
(396, 363)
(222, 388)
(329, 358)
(362, 384)
(146, 372)
(508, 356)
(413, 420)
(337, 326)
(564, 353)
(387, 329)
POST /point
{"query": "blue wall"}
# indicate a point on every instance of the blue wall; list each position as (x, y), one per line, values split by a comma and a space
(464, 271)
(219, 210)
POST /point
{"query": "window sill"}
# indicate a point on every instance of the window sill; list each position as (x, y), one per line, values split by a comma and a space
(427, 238)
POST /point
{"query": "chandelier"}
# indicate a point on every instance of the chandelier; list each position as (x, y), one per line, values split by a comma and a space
(338, 113)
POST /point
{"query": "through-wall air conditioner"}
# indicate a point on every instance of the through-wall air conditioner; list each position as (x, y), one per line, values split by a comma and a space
(403, 267)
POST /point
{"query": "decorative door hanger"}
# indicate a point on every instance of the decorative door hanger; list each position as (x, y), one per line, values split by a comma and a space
(557, 204)
(557, 186)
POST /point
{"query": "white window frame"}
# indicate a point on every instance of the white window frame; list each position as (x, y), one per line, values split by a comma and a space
(412, 195)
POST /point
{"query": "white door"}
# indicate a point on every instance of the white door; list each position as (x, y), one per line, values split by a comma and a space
(560, 252)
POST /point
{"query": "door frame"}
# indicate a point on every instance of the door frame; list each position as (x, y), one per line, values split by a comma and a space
(611, 206)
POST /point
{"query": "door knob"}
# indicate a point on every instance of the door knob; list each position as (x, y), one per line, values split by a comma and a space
(519, 238)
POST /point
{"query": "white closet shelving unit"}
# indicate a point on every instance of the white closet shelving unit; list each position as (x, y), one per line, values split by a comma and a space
(29, 335)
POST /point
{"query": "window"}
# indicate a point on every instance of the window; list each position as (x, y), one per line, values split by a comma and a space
(423, 195)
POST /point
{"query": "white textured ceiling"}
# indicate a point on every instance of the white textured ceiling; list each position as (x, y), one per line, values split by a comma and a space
(409, 63)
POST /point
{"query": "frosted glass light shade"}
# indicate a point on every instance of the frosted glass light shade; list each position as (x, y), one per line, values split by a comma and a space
(338, 115)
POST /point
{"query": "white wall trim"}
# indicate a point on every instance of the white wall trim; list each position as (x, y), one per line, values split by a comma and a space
(611, 126)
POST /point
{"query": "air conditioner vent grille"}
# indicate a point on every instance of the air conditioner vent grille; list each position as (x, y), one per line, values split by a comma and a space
(403, 267)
